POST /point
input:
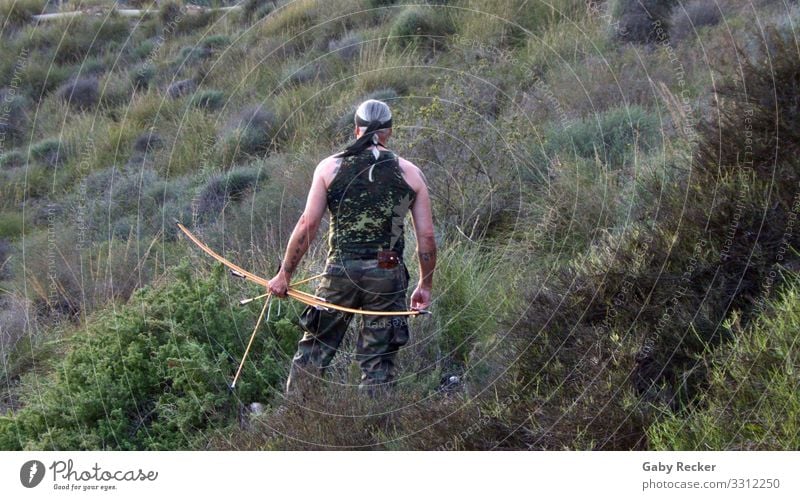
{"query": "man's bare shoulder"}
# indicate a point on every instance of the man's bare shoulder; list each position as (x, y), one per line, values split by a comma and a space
(328, 168)
(412, 174)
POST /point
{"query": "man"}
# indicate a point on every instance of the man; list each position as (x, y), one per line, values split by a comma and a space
(368, 190)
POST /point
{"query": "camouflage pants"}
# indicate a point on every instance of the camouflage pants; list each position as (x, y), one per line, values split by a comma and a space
(357, 284)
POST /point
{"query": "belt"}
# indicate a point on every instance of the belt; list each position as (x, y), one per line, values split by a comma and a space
(387, 259)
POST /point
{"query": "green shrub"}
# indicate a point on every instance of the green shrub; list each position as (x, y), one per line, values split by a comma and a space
(144, 49)
(420, 25)
(116, 90)
(10, 225)
(18, 12)
(291, 18)
(12, 159)
(216, 42)
(143, 76)
(132, 198)
(209, 99)
(154, 375)
(40, 76)
(465, 318)
(752, 402)
(612, 136)
(191, 55)
(49, 152)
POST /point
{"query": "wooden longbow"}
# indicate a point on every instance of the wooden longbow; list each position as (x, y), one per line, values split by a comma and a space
(305, 298)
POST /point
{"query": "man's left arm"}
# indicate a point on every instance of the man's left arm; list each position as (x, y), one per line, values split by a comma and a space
(303, 234)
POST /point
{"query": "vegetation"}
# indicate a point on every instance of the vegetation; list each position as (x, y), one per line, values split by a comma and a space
(616, 211)
(153, 375)
(752, 402)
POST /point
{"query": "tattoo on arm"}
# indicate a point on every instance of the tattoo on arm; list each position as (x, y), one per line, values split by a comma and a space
(427, 256)
(293, 261)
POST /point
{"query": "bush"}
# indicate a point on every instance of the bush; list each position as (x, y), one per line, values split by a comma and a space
(148, 142)
(143, 76)
(144, 49)
(464, 320)
(216, 42)
(13, 118)
(248, 133)
(12, 159)
(612, 136)
(155, 374)
(181, 88)
(40, 76)
(420, 25)
(687, 19)
(92, 66)
(752, 402)
(10, 225)
(765, 101)
(116, 90)
(82, 94)
(642, 21)
(211, 100)
(222, 189)
(291, 18)
(118, 193)
(348, 47)
(192, 55)
(14, 13)
(49, 152)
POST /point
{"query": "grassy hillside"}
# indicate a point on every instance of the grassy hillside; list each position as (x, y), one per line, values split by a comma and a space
(615, 188)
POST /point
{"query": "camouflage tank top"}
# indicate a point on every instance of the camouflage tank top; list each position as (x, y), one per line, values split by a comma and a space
(368, 200)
